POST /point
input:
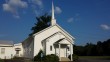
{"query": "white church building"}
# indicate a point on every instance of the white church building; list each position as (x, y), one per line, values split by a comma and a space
(51, 40)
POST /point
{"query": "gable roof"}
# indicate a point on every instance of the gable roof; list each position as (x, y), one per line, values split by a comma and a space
(6, 43)
(51, 27)
(59, 40)
(62, 42)
(27, 41)
(65, 31)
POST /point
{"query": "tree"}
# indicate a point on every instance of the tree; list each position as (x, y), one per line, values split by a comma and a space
(99, 48)
(42, 23)
(106, 47)
(79, 50)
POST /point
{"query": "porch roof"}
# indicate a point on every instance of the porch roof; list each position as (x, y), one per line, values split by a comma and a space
(62, 41)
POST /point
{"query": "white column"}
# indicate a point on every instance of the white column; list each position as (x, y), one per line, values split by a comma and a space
(59, 51)
(71, 52)
(46, 47)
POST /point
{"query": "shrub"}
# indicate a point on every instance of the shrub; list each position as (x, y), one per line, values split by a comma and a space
(1, 60)
(75, 57)
(51, 58)
(47, 58)
(38, 56)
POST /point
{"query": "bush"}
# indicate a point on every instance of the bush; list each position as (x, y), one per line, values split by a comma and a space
(75, 57)
(47, 58)
(38, 57)
(51, 58)
(1, 60)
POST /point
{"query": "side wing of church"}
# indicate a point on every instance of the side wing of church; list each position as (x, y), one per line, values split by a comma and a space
(9, 50)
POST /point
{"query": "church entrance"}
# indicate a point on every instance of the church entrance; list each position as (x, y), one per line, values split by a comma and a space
(63, 48)
(63, 52)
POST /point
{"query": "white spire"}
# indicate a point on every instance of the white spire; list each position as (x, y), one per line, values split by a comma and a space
(53, 11)
(53, 20)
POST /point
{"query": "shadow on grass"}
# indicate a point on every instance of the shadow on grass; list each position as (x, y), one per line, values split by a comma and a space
(96, 57)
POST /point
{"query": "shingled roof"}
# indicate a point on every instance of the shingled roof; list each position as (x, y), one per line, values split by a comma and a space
(5, 42)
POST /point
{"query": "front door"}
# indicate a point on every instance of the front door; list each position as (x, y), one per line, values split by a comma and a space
(62, 52)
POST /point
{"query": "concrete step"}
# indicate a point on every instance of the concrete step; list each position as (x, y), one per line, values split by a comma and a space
(65, 59)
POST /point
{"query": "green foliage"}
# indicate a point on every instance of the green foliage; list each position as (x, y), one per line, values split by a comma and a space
(79, 50)
(42, 23)
(1, 60)
(90, 49)
(38, 57)
(99, 49)
(106, 47)
(48, 58)
(51, 58)
(75, 57)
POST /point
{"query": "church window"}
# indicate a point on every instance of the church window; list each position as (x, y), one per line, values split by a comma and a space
(2, 50)
(50, 48)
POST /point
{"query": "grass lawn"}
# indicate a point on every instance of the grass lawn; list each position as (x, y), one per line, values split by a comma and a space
(96, 57)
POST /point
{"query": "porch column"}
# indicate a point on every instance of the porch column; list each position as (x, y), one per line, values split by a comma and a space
(71, 48)
(59, 51)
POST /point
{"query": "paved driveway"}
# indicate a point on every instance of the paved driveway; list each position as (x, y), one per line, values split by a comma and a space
(92, 60)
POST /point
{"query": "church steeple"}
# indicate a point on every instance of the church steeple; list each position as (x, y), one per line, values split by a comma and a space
(53, 20)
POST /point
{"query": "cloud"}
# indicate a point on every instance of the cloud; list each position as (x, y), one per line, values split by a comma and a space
(58, 10)
(18, 3)
(8, 8)
(16, 16)
(76, 17)
(70, 20)
(105, 27)
(39, 3)
(37, 12)
(13, 6)
(37, 6)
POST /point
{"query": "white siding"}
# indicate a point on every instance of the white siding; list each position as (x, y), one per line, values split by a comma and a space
(39, 37)
(19, 45)
(8, 53)
(28, 47)
(50, 42)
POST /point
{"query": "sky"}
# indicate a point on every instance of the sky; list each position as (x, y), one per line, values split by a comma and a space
(88, 21)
